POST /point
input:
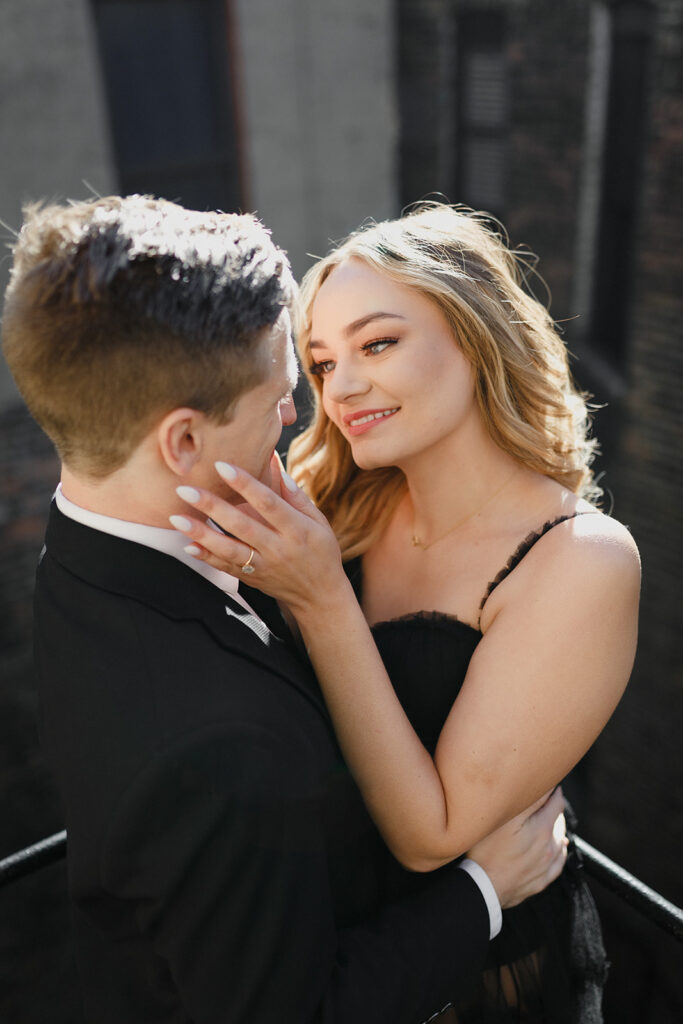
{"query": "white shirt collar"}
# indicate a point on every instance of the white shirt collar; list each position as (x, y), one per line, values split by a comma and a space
(169, 542)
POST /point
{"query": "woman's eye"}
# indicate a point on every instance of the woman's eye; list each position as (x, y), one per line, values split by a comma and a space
(322, 368)
(375, 347)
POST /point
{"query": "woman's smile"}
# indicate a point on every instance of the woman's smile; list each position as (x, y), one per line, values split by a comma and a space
(365, 419)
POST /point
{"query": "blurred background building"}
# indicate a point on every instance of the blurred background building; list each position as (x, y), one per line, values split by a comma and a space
(563, 119)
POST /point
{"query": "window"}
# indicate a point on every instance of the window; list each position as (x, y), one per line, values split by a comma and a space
(482, 110)
(167, 72)
(619, 178)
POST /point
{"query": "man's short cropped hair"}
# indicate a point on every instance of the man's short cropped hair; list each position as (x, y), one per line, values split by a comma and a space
(119, 310)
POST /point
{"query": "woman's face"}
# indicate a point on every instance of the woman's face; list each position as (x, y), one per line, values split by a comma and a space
(394, 380)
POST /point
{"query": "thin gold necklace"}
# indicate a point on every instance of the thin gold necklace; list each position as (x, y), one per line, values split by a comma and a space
(417, 543)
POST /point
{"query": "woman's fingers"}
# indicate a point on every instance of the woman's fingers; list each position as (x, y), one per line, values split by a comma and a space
(274, 508)
(553, 805)
(550, 805)
(551, 814)
(292, 543)
(560, 845)
(230, 518)
(292, 513)
(281, 538)
(271, 508)
(211, 546)
(260, 523)
(536, 806)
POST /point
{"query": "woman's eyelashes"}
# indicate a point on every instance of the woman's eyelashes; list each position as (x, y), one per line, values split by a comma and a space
(371, 348)
(321, 368)
(375, 347)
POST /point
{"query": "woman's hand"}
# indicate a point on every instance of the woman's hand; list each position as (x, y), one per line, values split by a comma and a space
(528, 853)
(279, 543)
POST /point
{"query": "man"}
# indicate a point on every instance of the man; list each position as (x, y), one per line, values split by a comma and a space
(221, 865)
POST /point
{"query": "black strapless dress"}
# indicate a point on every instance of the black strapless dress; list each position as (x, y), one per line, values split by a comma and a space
(548, 964)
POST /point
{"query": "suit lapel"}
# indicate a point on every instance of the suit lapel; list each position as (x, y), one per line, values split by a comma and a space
(255, 623)
(161, 581)
(266, 608)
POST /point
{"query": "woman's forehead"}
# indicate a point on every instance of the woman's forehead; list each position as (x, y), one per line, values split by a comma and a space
(355, 292)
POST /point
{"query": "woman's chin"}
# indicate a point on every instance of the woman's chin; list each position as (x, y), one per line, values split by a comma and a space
(370, 460)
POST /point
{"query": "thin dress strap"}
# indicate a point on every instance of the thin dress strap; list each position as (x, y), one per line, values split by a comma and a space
(519, 553)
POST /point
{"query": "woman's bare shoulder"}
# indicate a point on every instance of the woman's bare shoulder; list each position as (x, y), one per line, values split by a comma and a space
(586, 556)
(564, 522)
(592, 534)
(588, 561)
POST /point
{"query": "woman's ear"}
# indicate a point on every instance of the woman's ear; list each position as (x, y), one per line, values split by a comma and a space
(180, 438)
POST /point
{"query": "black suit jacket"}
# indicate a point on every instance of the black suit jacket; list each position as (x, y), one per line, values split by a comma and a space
(221, 864)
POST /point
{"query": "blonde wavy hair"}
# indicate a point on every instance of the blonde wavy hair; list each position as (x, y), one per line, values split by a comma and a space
(523, 385)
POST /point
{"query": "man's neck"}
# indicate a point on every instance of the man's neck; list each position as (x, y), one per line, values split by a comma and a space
(122, 495)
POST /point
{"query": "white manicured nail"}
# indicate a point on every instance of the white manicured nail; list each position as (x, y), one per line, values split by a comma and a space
(192, 549)
(180, 523)
(190, 494)
(227, 471)
(288, 482)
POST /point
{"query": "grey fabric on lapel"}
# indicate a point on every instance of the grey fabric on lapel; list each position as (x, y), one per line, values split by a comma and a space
(256, 625)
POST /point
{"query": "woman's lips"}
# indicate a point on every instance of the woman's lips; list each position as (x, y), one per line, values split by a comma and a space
(365, 419)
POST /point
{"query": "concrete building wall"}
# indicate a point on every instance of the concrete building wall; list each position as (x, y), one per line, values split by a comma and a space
(53, 125)
(320, 122)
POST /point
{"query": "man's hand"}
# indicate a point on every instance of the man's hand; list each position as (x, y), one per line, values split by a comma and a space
(528, 853)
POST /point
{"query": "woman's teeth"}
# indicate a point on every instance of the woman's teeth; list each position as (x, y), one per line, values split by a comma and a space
(372, 416)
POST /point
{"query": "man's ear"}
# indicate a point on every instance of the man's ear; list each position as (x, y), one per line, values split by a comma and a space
(180, 436)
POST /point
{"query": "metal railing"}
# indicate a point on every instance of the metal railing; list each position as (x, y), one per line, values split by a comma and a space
(619, 881)
(634, 892)
(39, 855)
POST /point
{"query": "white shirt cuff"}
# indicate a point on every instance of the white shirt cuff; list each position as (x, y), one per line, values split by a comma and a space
(478, 875)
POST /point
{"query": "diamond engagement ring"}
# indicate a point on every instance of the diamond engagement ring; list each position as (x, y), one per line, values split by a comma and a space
(248, 567)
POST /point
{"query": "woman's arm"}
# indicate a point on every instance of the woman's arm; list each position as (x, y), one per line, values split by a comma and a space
(554, 661)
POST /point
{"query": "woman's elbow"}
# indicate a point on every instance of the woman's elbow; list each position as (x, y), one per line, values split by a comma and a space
(415, 857)
(422, 865)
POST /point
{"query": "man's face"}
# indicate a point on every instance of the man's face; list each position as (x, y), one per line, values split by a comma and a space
(249, 439)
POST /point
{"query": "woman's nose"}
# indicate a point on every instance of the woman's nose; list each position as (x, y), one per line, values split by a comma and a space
(347, 381)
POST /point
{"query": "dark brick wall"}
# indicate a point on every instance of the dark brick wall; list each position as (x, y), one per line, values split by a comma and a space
(29, 472)
(636, 808)
(37, 973)
(630, 787)
(648, 484)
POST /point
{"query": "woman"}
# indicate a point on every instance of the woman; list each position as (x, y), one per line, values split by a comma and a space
(448, 450)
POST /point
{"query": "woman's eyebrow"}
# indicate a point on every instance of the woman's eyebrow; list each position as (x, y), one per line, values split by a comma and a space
(357, 325)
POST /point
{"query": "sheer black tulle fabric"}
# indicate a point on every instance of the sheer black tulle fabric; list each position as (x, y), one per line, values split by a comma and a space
(548, 964)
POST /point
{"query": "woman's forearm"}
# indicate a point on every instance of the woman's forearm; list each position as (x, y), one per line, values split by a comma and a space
(397, 776)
